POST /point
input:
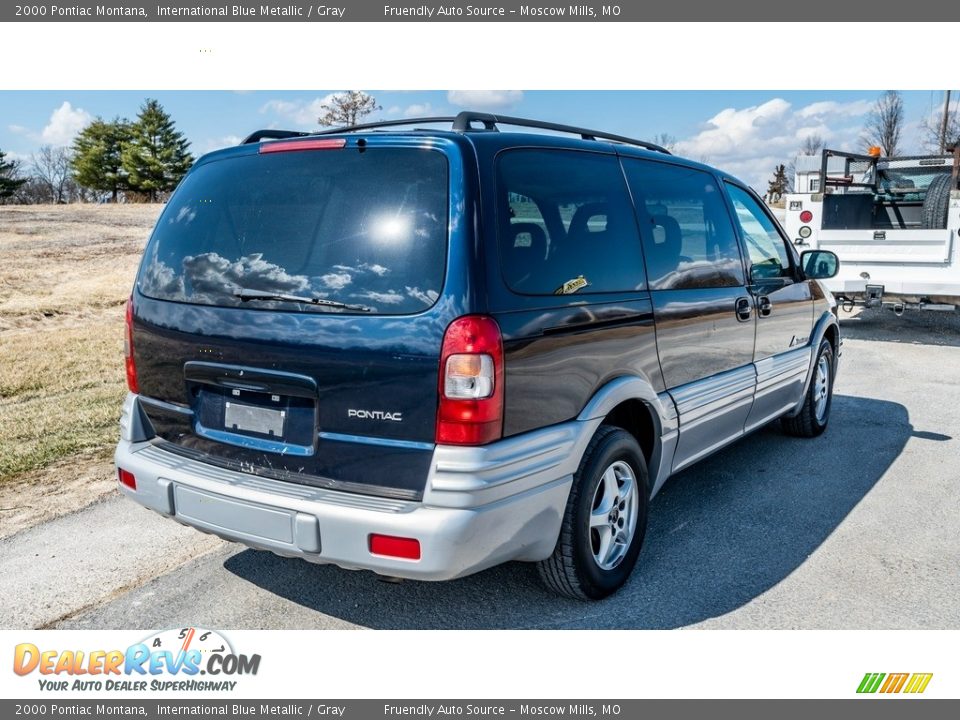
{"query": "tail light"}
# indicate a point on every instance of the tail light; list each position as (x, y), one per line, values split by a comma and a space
(471, 382)
(132, 383)
(806, 216)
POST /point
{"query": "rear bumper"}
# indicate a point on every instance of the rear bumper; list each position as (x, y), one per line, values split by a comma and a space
(481, 507)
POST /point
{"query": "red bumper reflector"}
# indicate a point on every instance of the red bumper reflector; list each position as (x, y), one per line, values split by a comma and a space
(294, 145)
(406, 548)
(126, 478)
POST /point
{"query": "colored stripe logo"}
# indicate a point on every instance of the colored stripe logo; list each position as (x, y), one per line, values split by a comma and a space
(913, 683)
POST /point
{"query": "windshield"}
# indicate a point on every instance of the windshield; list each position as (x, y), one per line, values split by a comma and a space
(361, 228)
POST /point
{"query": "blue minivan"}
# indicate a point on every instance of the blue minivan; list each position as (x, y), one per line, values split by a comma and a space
(425, 351)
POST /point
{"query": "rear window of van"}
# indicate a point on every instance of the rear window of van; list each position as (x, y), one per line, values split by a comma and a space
(343, 227)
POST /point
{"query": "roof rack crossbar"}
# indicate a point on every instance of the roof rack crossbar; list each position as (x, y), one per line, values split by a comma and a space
(464, 122)
(271, 134)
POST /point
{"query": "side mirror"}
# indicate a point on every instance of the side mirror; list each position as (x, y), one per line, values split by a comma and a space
(819, 264)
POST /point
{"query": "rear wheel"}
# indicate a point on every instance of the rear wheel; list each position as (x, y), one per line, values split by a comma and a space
(936, 203)
(605, 519)
(812, 419)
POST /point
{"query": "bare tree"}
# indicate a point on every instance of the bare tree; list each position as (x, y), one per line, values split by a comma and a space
(347, 108)
(884, 124)
(811, 145)
(935, 136)
(50, 167)
(665, 140)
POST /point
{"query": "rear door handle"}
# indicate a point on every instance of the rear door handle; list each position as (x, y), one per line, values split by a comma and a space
(743, 309)
(764, 306)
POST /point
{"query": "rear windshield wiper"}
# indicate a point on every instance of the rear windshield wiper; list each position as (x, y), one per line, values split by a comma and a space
(246, 295)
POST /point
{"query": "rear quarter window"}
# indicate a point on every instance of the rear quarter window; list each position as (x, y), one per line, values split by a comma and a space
(362, 228)
(565, 224)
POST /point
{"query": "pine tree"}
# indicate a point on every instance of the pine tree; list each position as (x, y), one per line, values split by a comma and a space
(98, 156)
(157, 155)
(9, 182)
(779, 185)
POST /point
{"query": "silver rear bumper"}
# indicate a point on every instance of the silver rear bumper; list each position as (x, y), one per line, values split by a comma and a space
(482, 505)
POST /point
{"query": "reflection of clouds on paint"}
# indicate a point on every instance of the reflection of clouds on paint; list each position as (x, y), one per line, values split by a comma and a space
(212, 274)
(336, 281)
(427, 297)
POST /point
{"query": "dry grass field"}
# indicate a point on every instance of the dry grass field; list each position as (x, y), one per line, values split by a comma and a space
(65, 274)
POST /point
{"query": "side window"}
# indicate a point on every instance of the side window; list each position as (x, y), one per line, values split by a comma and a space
(688, 238)
(765, 247)
(566, 224)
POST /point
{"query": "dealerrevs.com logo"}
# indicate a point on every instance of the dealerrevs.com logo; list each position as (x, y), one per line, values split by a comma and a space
(910, 683)
(170, 660)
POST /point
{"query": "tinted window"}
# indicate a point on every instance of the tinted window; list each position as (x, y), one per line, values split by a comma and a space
(566, 224)
(765, 247)
(688, 239)
(364, 228)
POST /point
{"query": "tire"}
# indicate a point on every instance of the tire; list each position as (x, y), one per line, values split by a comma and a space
(936, 203)
(577, 568)
(813, 417)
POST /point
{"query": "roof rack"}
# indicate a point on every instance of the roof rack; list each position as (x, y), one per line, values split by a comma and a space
(386, 123)
(271, 135)
(465, 122)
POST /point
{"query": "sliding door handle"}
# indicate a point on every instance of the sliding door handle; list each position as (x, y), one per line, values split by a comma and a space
(743, 309)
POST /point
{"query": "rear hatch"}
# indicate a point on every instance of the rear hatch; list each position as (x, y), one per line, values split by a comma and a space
(286, 315)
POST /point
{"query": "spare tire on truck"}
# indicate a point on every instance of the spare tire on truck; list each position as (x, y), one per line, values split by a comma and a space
(937, 203)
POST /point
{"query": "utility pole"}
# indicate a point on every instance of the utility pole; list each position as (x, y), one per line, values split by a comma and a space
(945, 122)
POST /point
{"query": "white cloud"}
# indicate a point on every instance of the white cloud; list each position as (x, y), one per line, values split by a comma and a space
(485, 99)
(65, 122)
(300, 113)
(221, 142)
(749, 142)
(855, 108)
(418, 110)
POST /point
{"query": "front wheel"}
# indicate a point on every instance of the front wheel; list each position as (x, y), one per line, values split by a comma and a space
(812, 419)
(605, 519)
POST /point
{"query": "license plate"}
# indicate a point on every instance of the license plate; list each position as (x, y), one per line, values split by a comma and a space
(249, 418)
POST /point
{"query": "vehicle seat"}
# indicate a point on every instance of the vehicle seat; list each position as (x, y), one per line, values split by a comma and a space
(668, 244)
(580, 223)
(525, 256)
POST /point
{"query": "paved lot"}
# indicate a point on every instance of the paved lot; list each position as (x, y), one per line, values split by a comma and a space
(857, 529)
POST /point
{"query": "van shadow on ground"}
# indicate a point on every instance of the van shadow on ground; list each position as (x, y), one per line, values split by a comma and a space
(720, 534)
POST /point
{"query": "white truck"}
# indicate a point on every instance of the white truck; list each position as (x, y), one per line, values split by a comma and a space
(893, 222)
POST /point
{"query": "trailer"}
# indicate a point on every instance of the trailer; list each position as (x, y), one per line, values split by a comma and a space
(894, 224)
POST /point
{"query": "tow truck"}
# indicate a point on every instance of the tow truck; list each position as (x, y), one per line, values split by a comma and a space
(892, 221)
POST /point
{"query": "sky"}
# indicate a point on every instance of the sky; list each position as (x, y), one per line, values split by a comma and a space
(746, 133)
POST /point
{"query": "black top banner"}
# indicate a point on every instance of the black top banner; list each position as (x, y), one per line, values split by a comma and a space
(457, 11)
